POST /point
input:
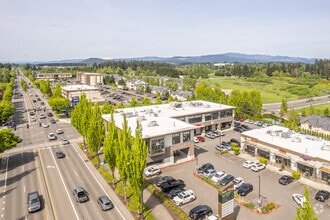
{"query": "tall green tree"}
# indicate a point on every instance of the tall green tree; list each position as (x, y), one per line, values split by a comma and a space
(7, 109)
(57, 91)
(110, 147)
(307, 212)
(107, 108)
(284, 107)
(96, 131)
(293, 121)
(124, 154)
(138, 163)
(59, 103)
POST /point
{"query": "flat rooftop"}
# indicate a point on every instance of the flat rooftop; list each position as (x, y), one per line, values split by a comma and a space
(79, 87)
(159, 120)
(300, 143)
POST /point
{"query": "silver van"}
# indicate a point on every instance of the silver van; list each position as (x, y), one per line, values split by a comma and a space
(33, 201)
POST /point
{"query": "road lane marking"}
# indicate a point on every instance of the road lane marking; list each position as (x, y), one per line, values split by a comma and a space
(105, 192)
(66, 189)
(75, 173)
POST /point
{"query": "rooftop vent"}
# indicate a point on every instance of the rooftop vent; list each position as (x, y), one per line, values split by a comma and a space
(152, 124)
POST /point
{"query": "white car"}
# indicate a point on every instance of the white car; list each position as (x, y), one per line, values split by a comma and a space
(59, 131)
(218, 176)
(52, 136)
(196, 140)
(238, 181)
(151, 171)
(247, 164)
(209, 173)
(257, 167)
(33, 118)
(45, 125)
(299, 199)
(184, 197)
(42, 116)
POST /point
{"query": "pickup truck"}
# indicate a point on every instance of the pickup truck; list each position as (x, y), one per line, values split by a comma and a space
(169, 185)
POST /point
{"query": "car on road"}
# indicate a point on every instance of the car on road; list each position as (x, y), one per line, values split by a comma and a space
(42, 116)
(59, 131)
(299, 199)
(224, 181)
(49, 114)
(245, 189)
(53, 121)
(205, 167)
(168, 186)
(33, 118)
(65, 141)
(80, 194)
(285, 179)
(200, 212)
(184, 197)
(60, 154)
(322, 195)
(174, 192)
(238, 182)
(52, 136)
(209, 173)
(104, 202)
(33, 201)
(218, 176)
(163, 179)
(257, 167)
(152, 171)
(44, 125)
(248, 163)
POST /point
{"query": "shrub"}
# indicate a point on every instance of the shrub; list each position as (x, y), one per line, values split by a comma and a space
(224, 152)
(263, 160)
(268, 207)
(296, 175)
(236, 150)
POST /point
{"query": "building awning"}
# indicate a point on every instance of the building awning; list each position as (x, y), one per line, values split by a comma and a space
(325, 169)
(283, 155)
(250, 143)
(305, 163)
(262, 148)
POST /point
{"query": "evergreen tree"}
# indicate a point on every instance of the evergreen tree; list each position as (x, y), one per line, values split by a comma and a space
(307, 212)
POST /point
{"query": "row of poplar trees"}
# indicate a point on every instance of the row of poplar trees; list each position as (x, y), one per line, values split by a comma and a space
(121, 151)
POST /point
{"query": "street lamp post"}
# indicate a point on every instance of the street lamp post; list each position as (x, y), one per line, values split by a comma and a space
(259, 197)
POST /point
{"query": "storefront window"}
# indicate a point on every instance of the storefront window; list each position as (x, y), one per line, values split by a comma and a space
(157, 146)
(282, 161)
(208, 117)
(305, 170)
(186, 136)
(176, 138)
(195, 119)
(264, 154)
(250, 150)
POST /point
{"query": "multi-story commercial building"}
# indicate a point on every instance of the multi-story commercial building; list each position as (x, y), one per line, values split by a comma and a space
(293, 151)
(92, 79)
(168, 129)
(54, 76)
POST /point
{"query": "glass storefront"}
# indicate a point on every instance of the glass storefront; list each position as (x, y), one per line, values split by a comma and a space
(306, 170)
(263, 153)
(282, 161)
(250, 150)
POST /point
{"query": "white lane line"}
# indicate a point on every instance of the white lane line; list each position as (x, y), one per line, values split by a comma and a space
(66, 189)
(105, 192)
(75, 173)
(24, 188)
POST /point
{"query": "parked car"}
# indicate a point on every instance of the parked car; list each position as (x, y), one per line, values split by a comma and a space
(246, 127)
(200, 212)
(210, 135)
(163, 179)
(218, 176)
(226, 145)
(104, 202)
(234, 140)
(168, 186)
(224, 181)
(209, 173)
(220, 147)
(59, 131)
(322, 195)
(200, 138)
(196, 140)
(60, 154)
(248, 163)
(33, 201)
(184, 197)
(80, 194)
(219, 132)
(238, 182)
(44, 125)
(152, 171)
(285, 179)
(257, 167)
(299, 199)
(245, 189)
(52, 136)
(174, 192)
(205, 167)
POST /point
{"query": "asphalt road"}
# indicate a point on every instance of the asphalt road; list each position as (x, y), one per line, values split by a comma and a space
(270, 189)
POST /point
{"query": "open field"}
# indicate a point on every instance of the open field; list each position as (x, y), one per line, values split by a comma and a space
(315, 109)
(275, 90)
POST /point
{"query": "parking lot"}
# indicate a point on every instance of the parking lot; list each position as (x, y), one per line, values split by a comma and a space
(270, 189)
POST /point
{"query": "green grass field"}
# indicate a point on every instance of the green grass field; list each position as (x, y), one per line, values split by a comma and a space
(275, 91)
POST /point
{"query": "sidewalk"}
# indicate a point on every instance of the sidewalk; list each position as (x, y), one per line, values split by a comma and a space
(303, 180)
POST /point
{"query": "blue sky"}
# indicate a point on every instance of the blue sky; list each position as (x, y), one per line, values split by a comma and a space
(39, 30)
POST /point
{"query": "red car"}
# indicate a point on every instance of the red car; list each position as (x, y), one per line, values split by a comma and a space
(200, 138)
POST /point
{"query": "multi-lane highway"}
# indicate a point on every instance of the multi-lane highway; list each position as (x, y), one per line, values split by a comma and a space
(33, 166)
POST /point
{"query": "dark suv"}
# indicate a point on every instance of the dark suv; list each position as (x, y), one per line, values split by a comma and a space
(164, 179)
(205, 167)
(322, 195)
(169, 185)
(81, 194)
(284, 180)
(200, 211)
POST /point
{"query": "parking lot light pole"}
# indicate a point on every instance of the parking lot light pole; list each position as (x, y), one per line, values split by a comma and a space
(259, 198)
